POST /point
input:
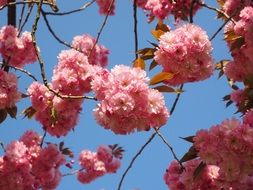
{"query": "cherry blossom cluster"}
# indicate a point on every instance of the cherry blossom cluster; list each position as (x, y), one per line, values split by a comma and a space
(233, 7)
(26, 165)
(97, 54)
(241, 46)
(106, 7)
(9, 94)
(178, 178)
(162, 8)
(17, 51)
(185, 52)
(229, 146)
(72, 76)
(97, 164)
(126, 102)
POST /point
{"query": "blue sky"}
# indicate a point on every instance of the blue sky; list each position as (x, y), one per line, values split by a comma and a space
(200, 106)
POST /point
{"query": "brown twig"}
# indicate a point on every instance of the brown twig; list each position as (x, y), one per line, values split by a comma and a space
(147, 143)
(169, 146)
(2, 146)
(25, 2)
(101, 28)
(52, 32)
(26, 18)
(72, 11)
(21, 16)
(43, 138)
(23, 71)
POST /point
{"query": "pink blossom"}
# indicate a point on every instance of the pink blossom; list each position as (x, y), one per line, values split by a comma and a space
(17, 51)
(178, 179)
(126, 102)
(185, 52)
(26, 165)
(96, 164)
(85, 43)
(228, 146)
(57, 116)
(2, 2)
(106, 7)
(9, 94)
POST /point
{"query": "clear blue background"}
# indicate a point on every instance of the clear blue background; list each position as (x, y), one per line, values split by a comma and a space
(200, 106)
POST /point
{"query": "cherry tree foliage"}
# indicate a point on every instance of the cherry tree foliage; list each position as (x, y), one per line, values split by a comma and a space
(127, 99)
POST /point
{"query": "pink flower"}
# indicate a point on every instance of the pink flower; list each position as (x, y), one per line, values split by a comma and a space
(96, 164)
(178, 179)
(126, 102)
(17, 51)
(2, 2)
(85, 43)
(9, 94)
(106, 7)
(185, 52)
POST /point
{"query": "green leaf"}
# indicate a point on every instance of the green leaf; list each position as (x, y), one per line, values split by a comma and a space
(12, 111)
(3, 115)
(191, 154)
(160, 77)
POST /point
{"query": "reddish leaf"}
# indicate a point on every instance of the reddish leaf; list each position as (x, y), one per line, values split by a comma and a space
(199, 170)
(3, 115)
(191, 154)
(12, 111)
(188, 139)
(160, 77)
(68, 152)
(153, 65)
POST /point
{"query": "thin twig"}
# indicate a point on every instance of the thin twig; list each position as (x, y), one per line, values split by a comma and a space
(33, 33)
(52, 32)
(25, 2)
(176, 100)
(147, 143)
(73, 172)
(191, 10)
(21, 16)
(23, 71)
(72, 11)
(43, 138)
(216, 10)
(169, 146)
(135, 28)
(134, 158)
(101, 28)
(26, 18)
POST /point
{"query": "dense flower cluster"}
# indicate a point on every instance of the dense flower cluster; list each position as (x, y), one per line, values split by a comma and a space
(229, 146)
(26, 165)
(9, 94)
(185, 52)
(17, 51)
(241, 47)
(178, 179)
(126, 102)
(2, 2)
(105, 5)
(97, 164)
(163, 8)
(85, 43)
(57, 116)
(72, 76)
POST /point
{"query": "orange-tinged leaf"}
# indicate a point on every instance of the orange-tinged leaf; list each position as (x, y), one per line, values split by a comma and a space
(161, 26)
(237, 44)
(221, 64)
(12, 111)
(160, 77)
(165, 88)
(231, 36)
(144, 50)
(157, 33)
(221, 2)
(29, 112)
(148, 54)
(139, 63)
